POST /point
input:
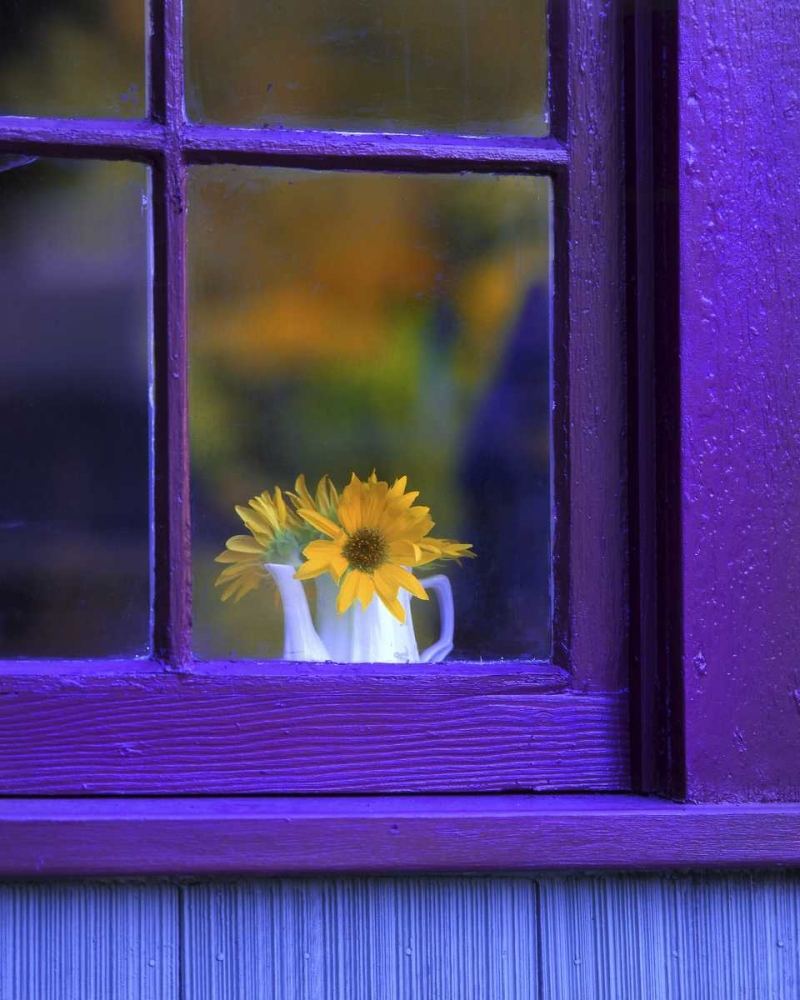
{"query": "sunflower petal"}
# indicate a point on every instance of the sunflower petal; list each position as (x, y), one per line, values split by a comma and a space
(347, 591)
(243, 543)
(301, 496)
(387, 592)
(280, 507)
(350, 514)
(399, 487)
(320, 522)
(405, 553)
(227, 556)
(245, 586)
(402, 577)
(365, 590)
(322, 548)
(337, 567)
(310, 570)
(232, 572)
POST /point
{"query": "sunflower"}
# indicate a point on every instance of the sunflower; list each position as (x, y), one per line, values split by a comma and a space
(436, 550)
(276, 535)
(324, 502)
(377, 534)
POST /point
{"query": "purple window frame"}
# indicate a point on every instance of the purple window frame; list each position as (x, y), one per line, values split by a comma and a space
(171, 765)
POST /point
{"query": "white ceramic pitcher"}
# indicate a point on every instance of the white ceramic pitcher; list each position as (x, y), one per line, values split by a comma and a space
(360, 635)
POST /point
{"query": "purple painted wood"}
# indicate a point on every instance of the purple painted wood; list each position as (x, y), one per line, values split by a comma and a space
(171, 641)
(336, 730)
(283, 147)
(108, 140)
(255, 728)
(739, 363)
(590, 489)
(172, 581)
(188, 836)
(641, 388)
(377, 151)
(652, 290)
(663, 725)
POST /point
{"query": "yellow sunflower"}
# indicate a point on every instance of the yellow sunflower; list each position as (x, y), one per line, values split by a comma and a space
(376, 535)
(435, 550)
(276, 534)
(325, 501)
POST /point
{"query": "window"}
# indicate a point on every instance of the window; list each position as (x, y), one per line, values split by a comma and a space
(502, 719)
(173, 716)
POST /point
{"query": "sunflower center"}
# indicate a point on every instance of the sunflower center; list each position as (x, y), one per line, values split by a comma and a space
(365, 549)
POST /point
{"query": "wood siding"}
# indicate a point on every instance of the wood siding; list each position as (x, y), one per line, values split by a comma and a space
(484, 938)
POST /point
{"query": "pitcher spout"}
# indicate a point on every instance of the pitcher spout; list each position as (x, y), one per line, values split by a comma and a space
(301, 642)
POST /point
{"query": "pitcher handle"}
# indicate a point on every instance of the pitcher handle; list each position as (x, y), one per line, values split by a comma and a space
(444, 644)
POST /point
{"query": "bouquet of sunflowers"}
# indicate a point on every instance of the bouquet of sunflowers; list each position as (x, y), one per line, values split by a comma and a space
(369, 538)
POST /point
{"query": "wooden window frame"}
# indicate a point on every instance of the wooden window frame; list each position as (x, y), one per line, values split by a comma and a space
(244, 766)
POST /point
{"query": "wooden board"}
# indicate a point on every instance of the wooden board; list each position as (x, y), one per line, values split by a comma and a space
(689, 937)
(158, 733)
(89, 941)
(739, 176)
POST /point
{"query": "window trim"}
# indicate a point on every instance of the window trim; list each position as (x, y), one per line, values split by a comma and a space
(258, 836)
(675, 751)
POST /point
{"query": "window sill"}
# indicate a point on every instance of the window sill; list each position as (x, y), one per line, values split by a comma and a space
(271, 836)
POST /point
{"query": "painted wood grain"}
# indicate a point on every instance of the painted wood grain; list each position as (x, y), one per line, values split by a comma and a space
(700, 937)
(386, 834)
(364, 939)
(740, 356)
(218, 733)
(89, 941)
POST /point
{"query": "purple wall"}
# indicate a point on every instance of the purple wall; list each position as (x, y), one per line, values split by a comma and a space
(739, 188)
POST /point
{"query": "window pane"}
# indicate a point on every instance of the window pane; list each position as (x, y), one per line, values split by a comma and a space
(72, 58)
(344, 322)
(74, 576)
(466, 66)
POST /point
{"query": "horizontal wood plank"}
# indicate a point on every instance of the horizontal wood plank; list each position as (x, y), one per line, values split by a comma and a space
(196, 836)
(217, 732)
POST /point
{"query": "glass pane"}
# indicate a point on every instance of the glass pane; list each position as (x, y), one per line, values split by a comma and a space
(466, 66)
(74, 574)
(72, 58)
(345, 322)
